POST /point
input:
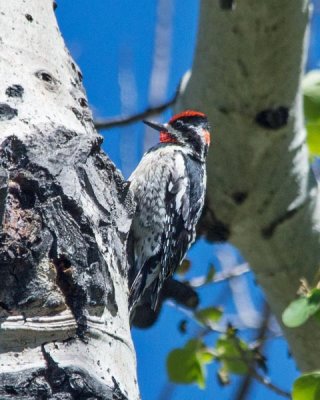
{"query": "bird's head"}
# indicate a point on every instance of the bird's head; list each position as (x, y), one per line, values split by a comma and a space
(188, 128)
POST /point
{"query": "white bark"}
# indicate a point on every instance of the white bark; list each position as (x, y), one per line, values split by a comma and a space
(247, 74)
(65, 317)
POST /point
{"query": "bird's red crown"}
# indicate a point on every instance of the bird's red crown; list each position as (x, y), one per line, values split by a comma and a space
(187, 113)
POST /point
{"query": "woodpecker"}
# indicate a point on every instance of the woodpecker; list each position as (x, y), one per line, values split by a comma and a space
(169, 188)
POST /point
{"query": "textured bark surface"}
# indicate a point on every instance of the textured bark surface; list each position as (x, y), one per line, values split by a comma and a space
(65, 215)
(261, 193)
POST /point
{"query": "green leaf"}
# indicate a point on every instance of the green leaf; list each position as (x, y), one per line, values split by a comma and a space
(296, 313)
(307, 387)
(205, 357)
(209, 315)
(311, 92)
(187, 364)
(314, 297)
(300, 310)
(313, 138)
(194, 345)
(230, 355)
(183, 366)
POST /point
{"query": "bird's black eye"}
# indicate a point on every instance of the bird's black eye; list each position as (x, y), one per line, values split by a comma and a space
(178, 124)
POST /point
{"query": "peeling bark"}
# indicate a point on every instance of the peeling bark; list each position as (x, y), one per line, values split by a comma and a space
(247, 78)
(65, 215)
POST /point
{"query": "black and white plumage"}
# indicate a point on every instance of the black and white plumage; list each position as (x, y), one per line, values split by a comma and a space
(169, 189)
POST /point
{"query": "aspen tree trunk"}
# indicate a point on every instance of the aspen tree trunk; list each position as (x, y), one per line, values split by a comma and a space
(261, 192)
(65, 215)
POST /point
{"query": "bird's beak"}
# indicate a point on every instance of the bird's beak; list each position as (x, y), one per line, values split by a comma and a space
(157, 126)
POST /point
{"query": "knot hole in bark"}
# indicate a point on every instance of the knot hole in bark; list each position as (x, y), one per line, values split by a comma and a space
(239, 197)
(227, 4)
(51, 83)
(29, 17)
(83, 102)
(273, 118)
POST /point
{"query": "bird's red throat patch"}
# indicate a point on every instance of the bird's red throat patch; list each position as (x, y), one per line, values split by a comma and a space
(165, 137)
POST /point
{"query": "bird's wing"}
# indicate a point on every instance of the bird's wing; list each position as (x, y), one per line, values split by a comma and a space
(178, 230)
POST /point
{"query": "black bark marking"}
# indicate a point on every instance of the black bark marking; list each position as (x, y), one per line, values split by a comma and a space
(5, 307)
(7, 112)
(55, 382)
(82, 116)
(51, 83)
(43, 221)
(45, 76)
(29, 17)
(227, 4)
(83, 102)
(85, 260)
(74, 383)
(77, 113)
(119, 395)
(15, 91)
(80, 76)
(3, 193)
(273, 118)
(239, 197)
(13, 153)
(75, 296)
(21, 230)
(269, 230)
(223, 110)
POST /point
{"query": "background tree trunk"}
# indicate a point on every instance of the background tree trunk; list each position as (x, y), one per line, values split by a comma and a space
(261, 192)
(65, 214)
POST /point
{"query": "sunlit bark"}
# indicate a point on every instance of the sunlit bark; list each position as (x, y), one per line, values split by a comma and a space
(65, 214)
(261, 193)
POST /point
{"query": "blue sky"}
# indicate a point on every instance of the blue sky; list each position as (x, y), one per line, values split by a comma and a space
(115, 44)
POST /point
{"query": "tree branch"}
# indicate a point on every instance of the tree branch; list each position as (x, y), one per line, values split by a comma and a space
(109, 123)
(247, 380)
(253, 371)
(220, 276)
(264, 381)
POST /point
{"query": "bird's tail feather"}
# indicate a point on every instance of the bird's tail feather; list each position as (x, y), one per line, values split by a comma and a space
(137, 294)
(134, 291)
